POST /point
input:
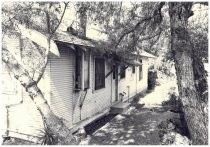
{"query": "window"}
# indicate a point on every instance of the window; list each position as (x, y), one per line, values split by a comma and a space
(122, 71)
(99, 73)
(114, 71)
(133, 69)
(140, 71)
(78, 66)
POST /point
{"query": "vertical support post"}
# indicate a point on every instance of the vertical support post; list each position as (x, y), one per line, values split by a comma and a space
(82, 71)
(116, 82)
(136, 79)
(89, 70)
(128, 92)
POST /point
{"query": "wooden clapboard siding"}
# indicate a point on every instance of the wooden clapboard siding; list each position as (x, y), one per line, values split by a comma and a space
(142, 84)
(132, 80)
(76, 107)
(24, 117)
(124, 83)
(113, 88)
(10, 94)
(132, 90)
(97, 100)
(12, 43)
(57, 85)
(33, 120)
(61, 83)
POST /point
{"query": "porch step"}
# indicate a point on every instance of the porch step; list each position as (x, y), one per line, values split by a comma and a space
(119, 108)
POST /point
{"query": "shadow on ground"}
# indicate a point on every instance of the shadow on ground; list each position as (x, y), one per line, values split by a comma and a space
(137, 125)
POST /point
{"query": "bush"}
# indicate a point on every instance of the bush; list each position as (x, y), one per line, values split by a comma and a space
(174, 103)
(48, 138)
(152, 76)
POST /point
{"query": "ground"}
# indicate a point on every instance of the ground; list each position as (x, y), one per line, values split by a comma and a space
(137, 125)
(145, 122)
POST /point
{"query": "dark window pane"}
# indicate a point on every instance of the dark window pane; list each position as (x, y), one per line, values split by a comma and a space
(78, 66)
(140, 72)
(114, 71)
(122, 71)
(133, 69)
(99, 73)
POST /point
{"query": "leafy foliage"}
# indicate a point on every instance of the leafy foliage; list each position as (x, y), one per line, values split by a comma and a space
(35, 15)
(127, 24)
(47, 137)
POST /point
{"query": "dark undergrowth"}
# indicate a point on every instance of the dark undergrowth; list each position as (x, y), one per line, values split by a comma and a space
(16, 141)
(174, 124)
(94, 126)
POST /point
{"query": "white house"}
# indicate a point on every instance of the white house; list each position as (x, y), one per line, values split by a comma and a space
(80, 85)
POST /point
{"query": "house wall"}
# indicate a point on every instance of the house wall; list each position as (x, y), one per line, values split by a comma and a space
(96, 100)
(22, 116)
(143, 83)
(127, 85)
(130, 85)
(57, 85)
(61, 83)
(113, 89)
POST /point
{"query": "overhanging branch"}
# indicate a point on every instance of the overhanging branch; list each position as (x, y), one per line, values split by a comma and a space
(202, 3)
(41, 72)
(157, 11)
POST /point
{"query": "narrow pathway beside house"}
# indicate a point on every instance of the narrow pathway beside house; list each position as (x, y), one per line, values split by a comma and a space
(137, 125)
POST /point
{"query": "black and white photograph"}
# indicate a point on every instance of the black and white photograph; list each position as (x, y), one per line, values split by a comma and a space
(104, 72)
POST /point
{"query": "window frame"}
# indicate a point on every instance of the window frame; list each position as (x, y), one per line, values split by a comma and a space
(97, 87)
(122, 74)
(140, 70)
(114, 72)
(133, 69)
(78, 69)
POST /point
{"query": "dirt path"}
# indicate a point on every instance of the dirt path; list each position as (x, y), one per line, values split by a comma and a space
(137, 125)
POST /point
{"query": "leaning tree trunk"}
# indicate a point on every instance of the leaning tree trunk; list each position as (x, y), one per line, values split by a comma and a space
(55, 126)
(195, 113)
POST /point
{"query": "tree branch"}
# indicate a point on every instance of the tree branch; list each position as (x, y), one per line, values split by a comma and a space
(130, 31)
(41, 72)
(151, 36)
(202, 3)
(156, 11)
(19, 72)
(66, 4)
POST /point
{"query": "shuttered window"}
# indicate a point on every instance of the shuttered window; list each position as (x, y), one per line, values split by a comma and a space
(78, 66)
(140, 71)
(114, 71)
(133, 69)
(99, 73)
(122, 71)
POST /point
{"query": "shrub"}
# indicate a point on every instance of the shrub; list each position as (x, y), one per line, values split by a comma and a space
(47, 138)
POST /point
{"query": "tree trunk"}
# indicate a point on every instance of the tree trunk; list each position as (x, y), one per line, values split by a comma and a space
(200, 78)
(55, 125)
(82, 22)
(195, 113)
